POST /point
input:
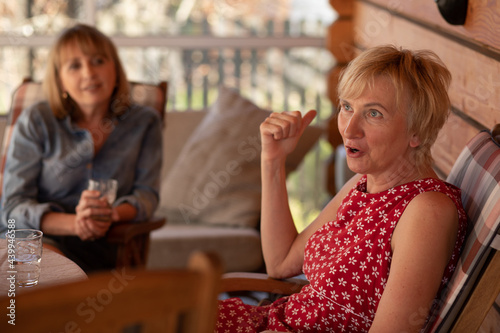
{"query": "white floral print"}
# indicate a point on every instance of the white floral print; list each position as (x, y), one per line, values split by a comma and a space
(347, 262)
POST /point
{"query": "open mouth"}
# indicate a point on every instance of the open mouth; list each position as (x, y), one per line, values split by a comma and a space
(353, 150)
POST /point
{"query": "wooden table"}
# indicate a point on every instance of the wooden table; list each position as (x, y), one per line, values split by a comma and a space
(55, 269)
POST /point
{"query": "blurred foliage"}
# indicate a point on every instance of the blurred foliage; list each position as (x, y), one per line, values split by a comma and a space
(307, 186)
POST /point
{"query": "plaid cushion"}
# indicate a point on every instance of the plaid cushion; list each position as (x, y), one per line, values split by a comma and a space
(477, 173)
(30, 92)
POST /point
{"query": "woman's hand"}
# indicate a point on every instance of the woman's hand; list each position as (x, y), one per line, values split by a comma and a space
(280, 133)
(93, 216)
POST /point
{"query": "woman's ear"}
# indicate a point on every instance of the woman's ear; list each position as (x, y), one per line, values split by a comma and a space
(415, 141)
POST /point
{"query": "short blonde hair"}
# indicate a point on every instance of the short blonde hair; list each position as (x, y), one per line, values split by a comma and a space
(421, 81)
(88, 39)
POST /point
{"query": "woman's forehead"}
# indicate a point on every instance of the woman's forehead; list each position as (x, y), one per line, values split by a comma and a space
(381, 88)
(361, 85)
(73, 48)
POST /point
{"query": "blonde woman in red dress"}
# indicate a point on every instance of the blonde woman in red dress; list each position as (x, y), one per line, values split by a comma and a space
(383, 248)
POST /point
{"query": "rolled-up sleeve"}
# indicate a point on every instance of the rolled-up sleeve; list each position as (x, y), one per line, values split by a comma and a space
(22, 169)
(145, 191)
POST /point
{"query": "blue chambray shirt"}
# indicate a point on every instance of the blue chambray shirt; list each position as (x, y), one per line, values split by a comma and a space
(50, 161)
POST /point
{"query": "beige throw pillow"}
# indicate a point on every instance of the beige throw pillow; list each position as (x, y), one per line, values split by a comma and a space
(216, 178)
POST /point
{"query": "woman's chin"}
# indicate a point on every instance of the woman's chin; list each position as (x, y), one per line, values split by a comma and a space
(356, 168)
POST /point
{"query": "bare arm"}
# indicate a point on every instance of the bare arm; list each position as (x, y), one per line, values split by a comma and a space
(66, 224)
(422, 244)
(282, 246)
(81, 224)
(279, 134)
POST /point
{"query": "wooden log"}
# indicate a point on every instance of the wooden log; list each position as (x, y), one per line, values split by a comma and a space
(454, 136)
(481, 26)
(340, 40)
(475, 87)
(343, 7)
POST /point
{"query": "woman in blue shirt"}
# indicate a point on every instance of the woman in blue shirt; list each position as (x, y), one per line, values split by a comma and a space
(87, 128)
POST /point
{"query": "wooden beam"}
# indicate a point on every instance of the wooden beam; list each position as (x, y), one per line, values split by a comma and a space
(481, 26)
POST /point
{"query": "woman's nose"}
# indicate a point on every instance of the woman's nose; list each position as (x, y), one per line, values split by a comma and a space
(353, 128)
(88, 70)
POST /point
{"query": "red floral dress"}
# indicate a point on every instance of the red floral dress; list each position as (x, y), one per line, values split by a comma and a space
(347, 262)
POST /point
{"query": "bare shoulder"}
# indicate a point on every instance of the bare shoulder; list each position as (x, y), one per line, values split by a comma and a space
(429, 216)
(433, 204)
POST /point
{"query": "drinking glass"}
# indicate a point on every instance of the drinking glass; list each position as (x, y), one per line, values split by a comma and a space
(107, 189)
(27, 255)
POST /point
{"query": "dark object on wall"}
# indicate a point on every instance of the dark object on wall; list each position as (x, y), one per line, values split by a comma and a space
(453, 11)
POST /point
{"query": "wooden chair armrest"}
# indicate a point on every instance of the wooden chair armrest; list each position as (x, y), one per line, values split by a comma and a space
(496, 129)
(123, 232)
(495, 133)
(261, 282)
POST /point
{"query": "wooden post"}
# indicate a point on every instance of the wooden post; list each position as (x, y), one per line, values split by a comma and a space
(340, 42)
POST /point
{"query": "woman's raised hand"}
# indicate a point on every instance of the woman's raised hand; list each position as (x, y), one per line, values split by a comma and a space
(280, 133)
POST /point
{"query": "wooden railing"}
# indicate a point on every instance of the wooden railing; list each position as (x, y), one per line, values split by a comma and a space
(284, 68)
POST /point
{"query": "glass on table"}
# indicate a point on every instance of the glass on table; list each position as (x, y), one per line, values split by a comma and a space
(107, 189)
(27, 246)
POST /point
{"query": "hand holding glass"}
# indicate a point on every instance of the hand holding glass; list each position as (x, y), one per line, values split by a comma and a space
(107, 189)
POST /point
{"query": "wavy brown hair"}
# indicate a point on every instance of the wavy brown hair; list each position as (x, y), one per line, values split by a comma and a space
(88, 39)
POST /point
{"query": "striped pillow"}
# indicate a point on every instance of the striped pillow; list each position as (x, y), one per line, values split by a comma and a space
(477, 173)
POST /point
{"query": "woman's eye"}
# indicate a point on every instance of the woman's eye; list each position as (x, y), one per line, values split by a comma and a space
(346, 107)
(98, 60)
(74, 65)
(374, 113)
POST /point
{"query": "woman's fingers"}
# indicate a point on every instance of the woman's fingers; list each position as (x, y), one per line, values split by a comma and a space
(91, 205)
(86, 199)
(90, 198)
(287, 124)
(308, 118)
(99, 228)
(82, 229)
(93, 216)
(89, 229)
(283, 125)
(280, 133)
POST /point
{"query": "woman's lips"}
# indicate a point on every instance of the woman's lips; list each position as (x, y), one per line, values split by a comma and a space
(353, 151)
(92, 87)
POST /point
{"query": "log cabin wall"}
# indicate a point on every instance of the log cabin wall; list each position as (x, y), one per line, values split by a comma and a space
(470, 51)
